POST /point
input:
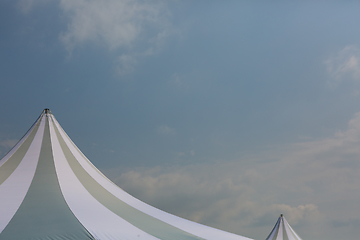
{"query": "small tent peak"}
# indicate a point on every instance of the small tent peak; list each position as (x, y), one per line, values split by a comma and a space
(282, 231)
(47, 111)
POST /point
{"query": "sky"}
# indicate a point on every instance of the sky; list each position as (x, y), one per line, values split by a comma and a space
(227, 113)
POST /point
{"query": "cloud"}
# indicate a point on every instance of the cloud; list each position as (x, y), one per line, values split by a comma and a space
(116, 23)
(345, 65)
(129, 29)
(215, 195)
(166, 130)
(306, 181)
(25, 6)
(133, 27)
(126, 64)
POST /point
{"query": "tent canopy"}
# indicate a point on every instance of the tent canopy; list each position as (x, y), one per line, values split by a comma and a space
(50, 190)
(282, 231)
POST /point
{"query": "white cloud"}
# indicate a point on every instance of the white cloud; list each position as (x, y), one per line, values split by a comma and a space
(133, 27)
(26, 6)
(115, 22)
(166, 130)
(345, 65)
(307, 182)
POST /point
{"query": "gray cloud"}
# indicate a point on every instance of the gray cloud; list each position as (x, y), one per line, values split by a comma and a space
(307, 183)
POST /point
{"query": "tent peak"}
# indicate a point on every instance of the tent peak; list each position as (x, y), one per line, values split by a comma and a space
(47, 111)
(282, 231)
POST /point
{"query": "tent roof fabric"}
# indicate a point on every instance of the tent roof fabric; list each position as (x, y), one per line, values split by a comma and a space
(282, 231)
(50, 190)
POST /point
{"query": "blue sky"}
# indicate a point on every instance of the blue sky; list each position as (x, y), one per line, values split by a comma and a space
(224, 112)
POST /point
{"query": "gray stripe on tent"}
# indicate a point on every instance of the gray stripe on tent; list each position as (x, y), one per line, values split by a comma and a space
(44, 213)
(13, 162)
(147, 223)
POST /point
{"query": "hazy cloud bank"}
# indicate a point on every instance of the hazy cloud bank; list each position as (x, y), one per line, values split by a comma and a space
(305, 181)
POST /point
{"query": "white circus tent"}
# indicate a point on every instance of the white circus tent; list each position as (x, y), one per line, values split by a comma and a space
(283, 231)
(50, 190)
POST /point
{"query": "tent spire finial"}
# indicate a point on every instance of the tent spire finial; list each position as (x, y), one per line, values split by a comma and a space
(281, 215)
(47, 111)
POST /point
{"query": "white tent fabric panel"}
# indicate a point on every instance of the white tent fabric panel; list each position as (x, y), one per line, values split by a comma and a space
(196, 229)
(290, 230)
(19, 181)
(97, 219)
